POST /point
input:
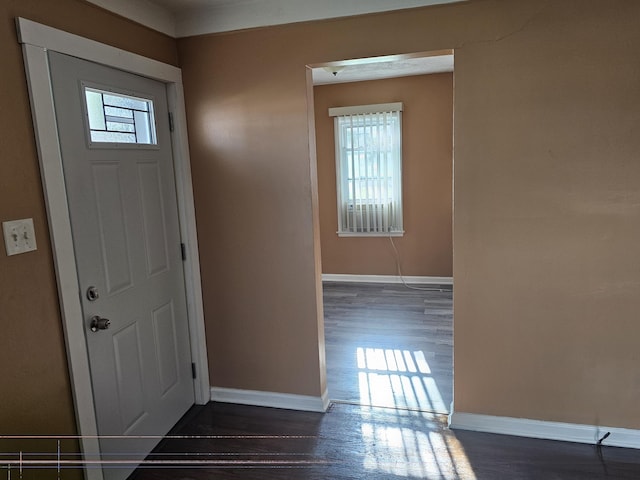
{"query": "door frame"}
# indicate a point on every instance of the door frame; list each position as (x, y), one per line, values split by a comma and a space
(36, 40)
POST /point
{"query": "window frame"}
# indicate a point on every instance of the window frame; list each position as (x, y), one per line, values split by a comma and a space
(395, 206)
(85, 85)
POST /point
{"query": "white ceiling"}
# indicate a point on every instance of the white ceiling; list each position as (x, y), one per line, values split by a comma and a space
(183, 18)
(185, 5)
(378, 68)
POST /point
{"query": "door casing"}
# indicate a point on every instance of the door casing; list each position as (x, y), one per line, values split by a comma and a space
(36, 39)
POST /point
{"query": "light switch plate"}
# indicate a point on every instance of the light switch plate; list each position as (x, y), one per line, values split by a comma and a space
(19, 236)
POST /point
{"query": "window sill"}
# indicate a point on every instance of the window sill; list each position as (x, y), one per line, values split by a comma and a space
(371, 234)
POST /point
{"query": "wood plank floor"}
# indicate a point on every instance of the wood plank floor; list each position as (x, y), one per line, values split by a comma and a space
(352, 442)
(389, 346)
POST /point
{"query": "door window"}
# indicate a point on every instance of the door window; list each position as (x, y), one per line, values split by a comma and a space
(116, 118)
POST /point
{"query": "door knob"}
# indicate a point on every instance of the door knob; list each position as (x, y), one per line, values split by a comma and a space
(98, 323)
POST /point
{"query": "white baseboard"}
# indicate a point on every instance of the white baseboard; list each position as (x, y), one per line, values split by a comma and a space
(271, 399)
(567, 432)
(342, 277)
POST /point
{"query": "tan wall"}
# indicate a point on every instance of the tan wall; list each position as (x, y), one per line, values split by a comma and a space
(546, 200)
(546, 217)
(35, 396)
(251, 177)
(427, 168)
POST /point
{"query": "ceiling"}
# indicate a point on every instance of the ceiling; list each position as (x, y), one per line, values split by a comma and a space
(378, 68)
(184, 5)
(182, 18)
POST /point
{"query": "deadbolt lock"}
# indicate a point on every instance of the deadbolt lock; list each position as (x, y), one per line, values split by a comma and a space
(92, 294)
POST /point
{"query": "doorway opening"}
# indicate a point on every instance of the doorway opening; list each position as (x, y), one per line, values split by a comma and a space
(388, 301)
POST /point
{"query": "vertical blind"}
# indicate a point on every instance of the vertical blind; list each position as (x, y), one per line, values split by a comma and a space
(369, 169)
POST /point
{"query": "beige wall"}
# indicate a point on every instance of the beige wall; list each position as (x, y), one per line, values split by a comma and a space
(252, 184)
(427, 168)
(546, 200)
(546, 204)
(35, 396)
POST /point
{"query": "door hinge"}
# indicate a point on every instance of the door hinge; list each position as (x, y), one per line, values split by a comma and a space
(193, 370)
(183, 250)
(171, 126)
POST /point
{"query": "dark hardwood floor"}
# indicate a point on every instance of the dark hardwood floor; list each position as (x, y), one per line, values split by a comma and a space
(230, 442)
(389, 346)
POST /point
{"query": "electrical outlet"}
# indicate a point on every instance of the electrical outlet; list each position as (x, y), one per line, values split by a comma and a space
(19, 236)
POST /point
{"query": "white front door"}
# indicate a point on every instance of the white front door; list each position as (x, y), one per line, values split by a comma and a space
(124, 218)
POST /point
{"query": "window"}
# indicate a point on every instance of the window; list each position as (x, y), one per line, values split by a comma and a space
(369, 169)
(116, 118)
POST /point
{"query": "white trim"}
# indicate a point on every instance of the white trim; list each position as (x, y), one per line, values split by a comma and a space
(144, 12)
(567, 432)
(362, 109)
(370, 234)
(36, 34)
(271, 399)
(44, 122)
(36, 40)
(227, 16)
(189, 234)
(345, 277)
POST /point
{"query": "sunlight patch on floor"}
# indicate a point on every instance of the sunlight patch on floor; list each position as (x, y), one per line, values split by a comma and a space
(397, 378)
(406, 452)
(402, 379)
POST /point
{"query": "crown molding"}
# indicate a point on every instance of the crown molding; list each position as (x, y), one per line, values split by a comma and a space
(242, 14)
(143, 12)
(227, 16)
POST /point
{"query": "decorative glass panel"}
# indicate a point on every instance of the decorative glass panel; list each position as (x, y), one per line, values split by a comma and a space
(117, 118)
